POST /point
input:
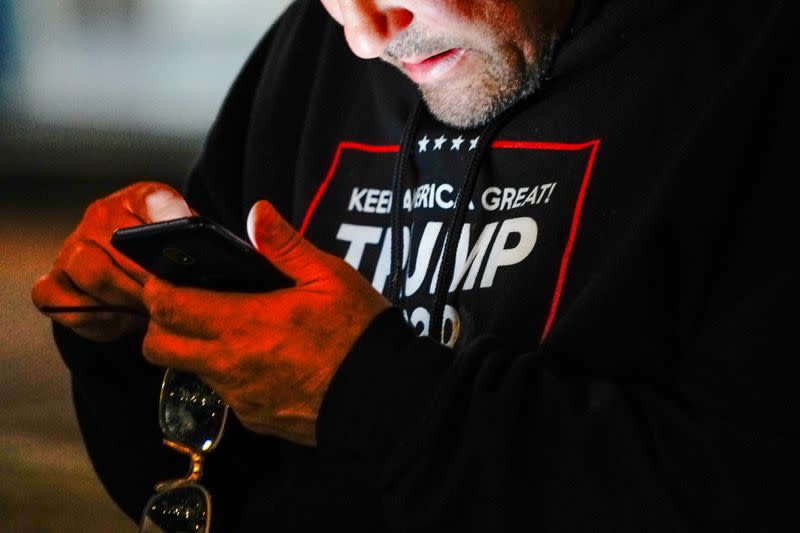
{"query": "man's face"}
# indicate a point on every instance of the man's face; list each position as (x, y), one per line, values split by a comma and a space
(470, 58)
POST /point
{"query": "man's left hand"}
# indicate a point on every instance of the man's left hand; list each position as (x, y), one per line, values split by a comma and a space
(270, 356)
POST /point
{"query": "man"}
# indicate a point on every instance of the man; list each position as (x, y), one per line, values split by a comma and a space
(585, 325)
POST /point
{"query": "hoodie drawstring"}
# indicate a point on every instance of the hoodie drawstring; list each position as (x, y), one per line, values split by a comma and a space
(444, 277)
(396, 285)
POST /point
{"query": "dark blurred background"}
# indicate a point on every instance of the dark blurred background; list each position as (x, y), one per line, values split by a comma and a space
(94, 95)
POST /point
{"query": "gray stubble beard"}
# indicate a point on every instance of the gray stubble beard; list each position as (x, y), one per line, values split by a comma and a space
(470, 105)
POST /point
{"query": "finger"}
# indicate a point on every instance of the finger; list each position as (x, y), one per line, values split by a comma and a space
(164, 347)
(56, 291)
(275, 238)
(187, 311)
(94, 272)
(166, 205)
(200, 313)
(112, 328)
(100, 220)
(152, 201)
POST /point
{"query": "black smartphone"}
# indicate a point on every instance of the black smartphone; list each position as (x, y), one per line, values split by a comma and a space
(198, 252)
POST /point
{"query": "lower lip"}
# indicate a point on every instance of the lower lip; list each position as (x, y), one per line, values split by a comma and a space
(434, 68)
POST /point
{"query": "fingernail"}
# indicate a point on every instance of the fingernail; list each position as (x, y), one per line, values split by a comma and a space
(251, 225)
(165, 205)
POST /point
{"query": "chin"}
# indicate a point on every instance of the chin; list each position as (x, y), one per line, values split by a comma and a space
(472, 104)
(475, 100)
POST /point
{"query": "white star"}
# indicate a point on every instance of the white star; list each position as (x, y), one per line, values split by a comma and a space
(437, 143)
(474, 143)
(457, 143)
(423, 144)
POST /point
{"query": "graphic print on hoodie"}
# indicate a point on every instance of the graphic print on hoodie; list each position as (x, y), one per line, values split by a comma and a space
(519, 228)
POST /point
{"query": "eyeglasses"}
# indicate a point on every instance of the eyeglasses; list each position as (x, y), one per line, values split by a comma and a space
(192, 419)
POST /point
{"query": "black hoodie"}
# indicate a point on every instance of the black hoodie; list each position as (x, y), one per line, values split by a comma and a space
(616, 306)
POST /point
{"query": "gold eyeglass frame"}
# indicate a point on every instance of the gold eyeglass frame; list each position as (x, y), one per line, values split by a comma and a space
(192, 478)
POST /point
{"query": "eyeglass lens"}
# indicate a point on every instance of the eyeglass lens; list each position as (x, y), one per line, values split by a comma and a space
(190, 411)
(182, 509)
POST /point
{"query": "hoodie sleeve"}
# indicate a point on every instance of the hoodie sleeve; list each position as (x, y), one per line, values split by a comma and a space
(115, 394)
(486, 439)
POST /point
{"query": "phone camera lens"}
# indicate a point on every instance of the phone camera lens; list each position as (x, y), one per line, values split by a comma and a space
(176, 255)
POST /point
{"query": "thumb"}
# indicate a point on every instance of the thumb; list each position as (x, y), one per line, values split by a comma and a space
(165, 204)
(276, 240)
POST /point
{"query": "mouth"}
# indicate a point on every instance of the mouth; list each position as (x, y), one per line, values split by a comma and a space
(432, 68)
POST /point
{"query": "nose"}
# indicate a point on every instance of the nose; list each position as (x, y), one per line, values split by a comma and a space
(370, 25)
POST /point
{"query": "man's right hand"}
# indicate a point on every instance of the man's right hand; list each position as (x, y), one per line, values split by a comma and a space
(88, 271)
